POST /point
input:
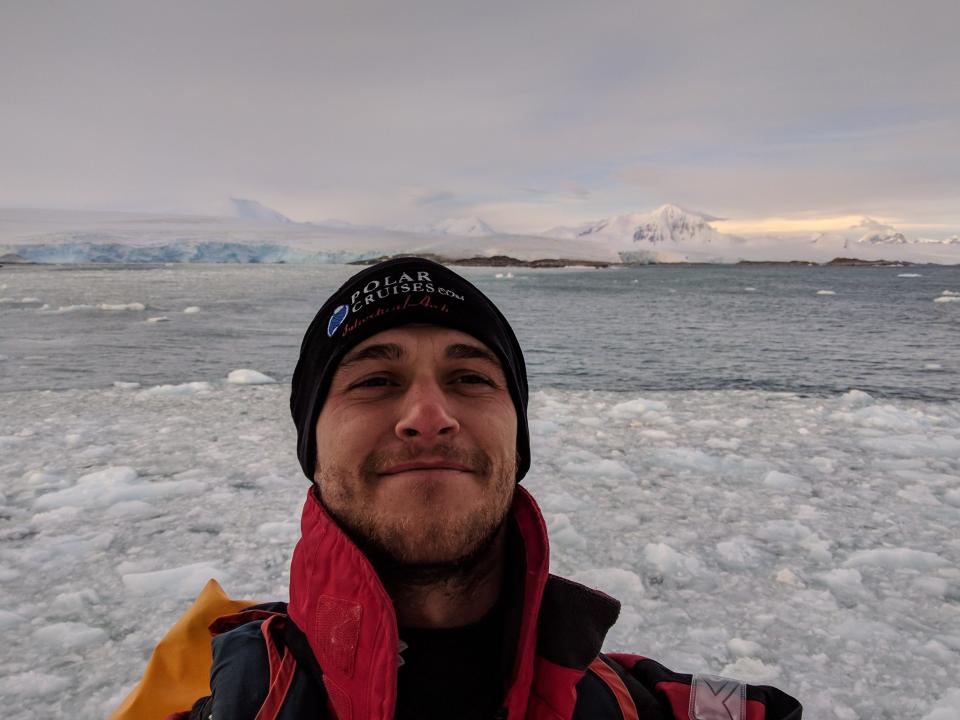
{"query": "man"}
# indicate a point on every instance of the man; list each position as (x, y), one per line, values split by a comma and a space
(419, 587)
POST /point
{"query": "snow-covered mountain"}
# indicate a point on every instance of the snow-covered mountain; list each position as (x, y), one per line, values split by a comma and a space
(888, 237)
(253, 210)
(464, 227)
(59, 236)
(666, 235)
(667, 224)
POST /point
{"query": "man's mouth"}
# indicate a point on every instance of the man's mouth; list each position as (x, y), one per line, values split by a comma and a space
(425, 466)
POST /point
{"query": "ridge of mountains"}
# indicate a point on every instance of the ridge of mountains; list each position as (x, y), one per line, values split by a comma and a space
(257, 233)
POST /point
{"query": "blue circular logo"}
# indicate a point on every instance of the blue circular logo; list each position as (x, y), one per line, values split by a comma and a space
(336, 320)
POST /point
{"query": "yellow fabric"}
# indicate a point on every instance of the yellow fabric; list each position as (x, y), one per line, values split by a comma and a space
(178, 673)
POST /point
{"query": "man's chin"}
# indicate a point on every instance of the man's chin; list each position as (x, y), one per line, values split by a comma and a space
(424, 554)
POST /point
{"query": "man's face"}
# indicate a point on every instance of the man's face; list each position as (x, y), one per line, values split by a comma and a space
(416, 445)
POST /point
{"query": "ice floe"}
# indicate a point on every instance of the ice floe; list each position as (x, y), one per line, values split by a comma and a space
(737, 544)
(245, 376)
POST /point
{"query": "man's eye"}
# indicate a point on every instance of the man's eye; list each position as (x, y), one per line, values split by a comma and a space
(473, 379)
(371, 382)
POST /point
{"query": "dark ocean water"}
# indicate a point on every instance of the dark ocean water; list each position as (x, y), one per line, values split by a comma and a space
(630, 329)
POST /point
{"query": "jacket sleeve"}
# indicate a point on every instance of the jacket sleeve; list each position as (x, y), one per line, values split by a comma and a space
(238, 676)
(682, 694)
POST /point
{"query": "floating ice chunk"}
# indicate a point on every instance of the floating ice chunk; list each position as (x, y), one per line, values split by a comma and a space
(136, 307)
(72, 308)
(751, 670)
(559, 501)
(158, 319)
(932, 366)
(112, 485)
(750, 289)
(950, 293)
(125, 385)
(190, 388)
(933, 586)
(669, 562)
(618, 583)
(9, 619)
(785, 531)
(737, 553)
(184, 581)
(909, 275)
(845, 584)
(856, 399)
(912, 446)
(952, 497)
(825, 292)
(894, 558)
(786, 576)
(192, 310)
(32, 684)
(636, 408)
(584, 463)
(946, 299)
(131, 509)
(507, 276)
(73, 603)
(743, 648)
(654, 434)
(785, 482)
(70, 635)
(947, 707)
(279, 532)
(562, 532)
(245, 376)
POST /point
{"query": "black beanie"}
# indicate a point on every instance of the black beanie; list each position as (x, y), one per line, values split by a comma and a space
(397, 292)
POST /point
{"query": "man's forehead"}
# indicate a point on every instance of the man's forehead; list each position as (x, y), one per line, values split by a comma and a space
(396, 343)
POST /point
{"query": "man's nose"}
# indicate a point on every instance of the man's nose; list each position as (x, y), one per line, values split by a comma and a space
(426, 413)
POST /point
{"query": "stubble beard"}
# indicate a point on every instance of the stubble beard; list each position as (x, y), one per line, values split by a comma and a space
(422, 548)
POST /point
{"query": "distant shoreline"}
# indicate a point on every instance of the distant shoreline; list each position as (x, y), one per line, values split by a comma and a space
(506, 261)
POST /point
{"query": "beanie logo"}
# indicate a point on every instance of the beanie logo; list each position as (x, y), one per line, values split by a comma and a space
(336, 319)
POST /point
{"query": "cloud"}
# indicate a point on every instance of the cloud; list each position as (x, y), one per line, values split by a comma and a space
(341, 108)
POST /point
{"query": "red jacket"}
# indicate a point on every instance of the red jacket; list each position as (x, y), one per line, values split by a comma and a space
(344, 636)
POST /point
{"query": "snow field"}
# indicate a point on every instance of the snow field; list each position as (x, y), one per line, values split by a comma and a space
(805, 542)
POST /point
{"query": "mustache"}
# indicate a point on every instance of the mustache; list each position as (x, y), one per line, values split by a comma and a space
(377, 461)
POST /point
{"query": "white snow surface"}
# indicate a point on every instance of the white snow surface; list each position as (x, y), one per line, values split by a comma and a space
(826, 561)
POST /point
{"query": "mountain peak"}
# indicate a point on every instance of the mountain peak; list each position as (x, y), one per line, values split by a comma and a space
(253, 210)
(463, 226)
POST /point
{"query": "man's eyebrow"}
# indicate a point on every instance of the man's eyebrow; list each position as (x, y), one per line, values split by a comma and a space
(463, 351)
(384, 351)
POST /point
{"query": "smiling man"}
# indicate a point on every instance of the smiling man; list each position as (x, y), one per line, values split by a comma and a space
(420, 585)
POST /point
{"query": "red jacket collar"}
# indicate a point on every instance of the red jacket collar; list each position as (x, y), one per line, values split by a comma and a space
(340, 604)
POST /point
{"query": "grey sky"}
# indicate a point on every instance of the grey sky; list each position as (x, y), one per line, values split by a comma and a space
(526, 114)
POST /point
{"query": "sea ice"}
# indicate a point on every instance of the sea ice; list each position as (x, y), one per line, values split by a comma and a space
(184, 581)
(946, 299)
(893, 558)
(32, 684)
(246, 376)
(751, 670)
(156, 490)
(70, 635)
(909, 275)
(190, 388)
(192, 310)
(826, 292)
(123, 306)
(158, 319)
